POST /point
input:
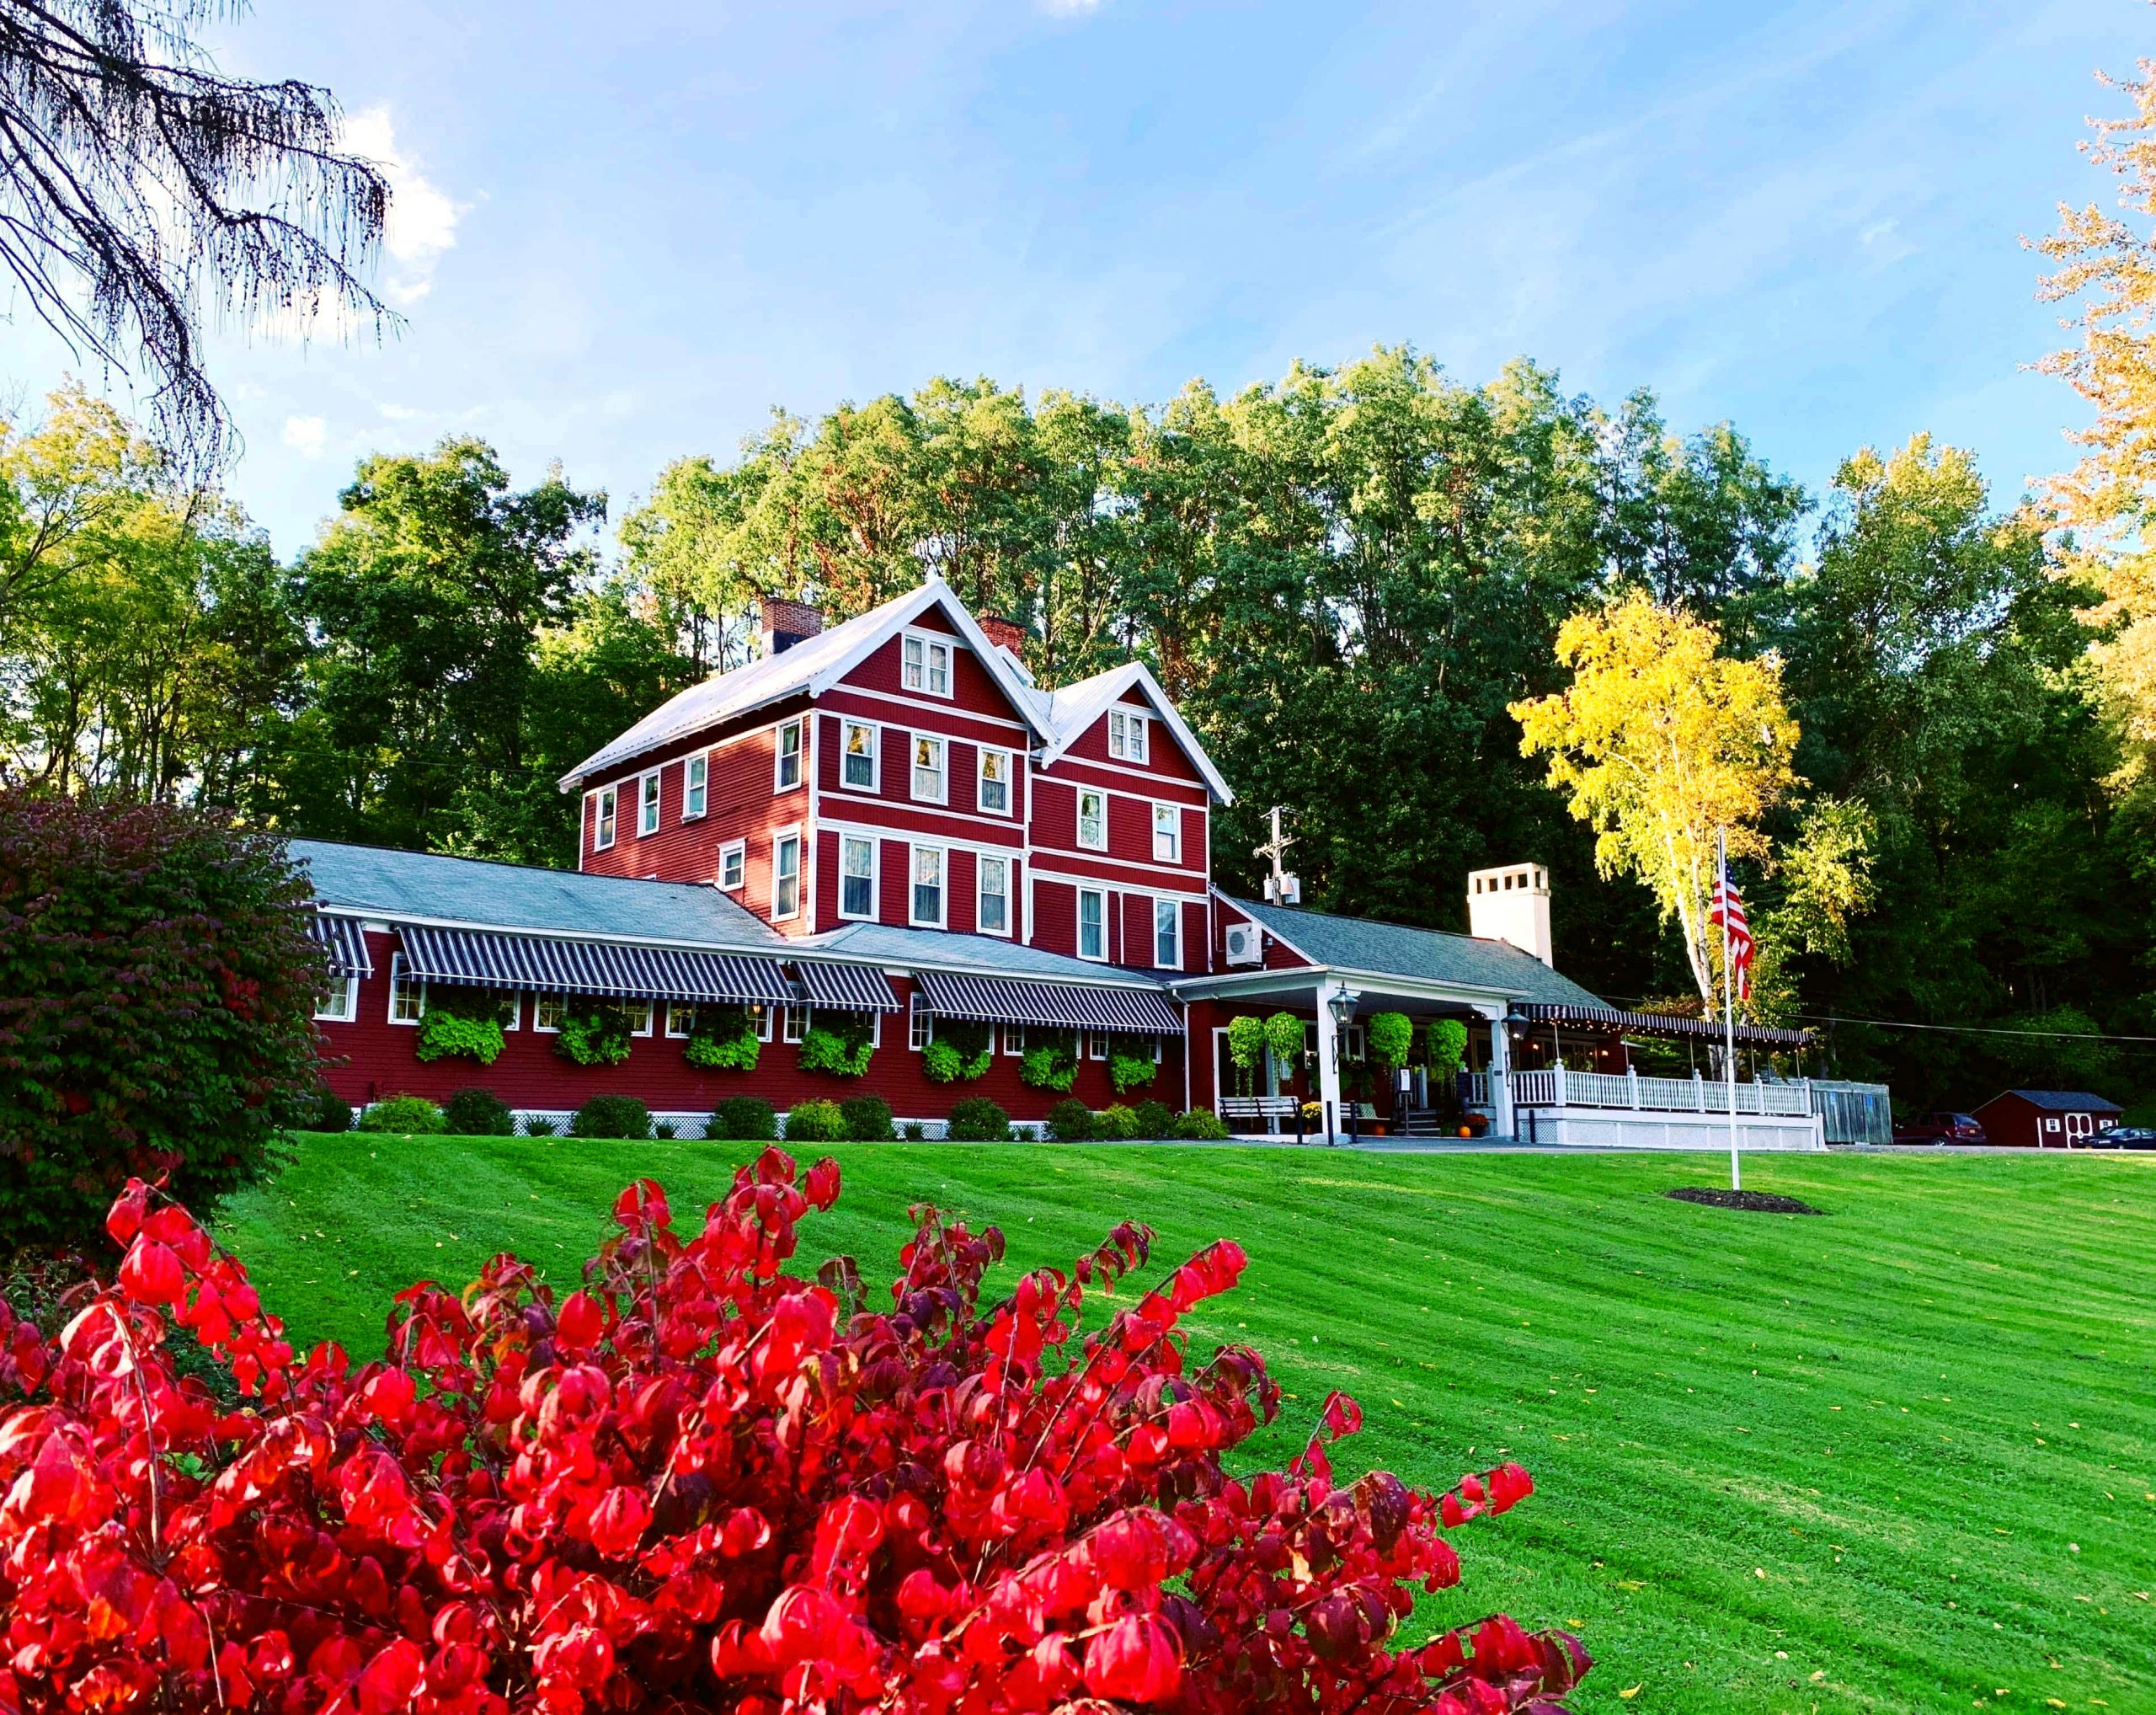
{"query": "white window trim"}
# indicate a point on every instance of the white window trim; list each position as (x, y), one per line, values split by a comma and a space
(606, 818)
(875, 877)
(539, 1000)
(1078, 925)
(1134, 726)
(1096, 1045)
(942, 885)
(921, 1025)
(798, 727)
(687, 762)
(800, 868)
(347, 1009)
(648, 788)
(515, 1019)
(942, 767)
(981, 861)
(981, 754)
(396, 979)
(734, 848)
(875, 755)
(1175, 906)
(761, 1016)
(1175, 832)
(650, 1016)
(687, 1009)
(1078, 818)
(795, 1025)
(929, 642)
(1014, 1039)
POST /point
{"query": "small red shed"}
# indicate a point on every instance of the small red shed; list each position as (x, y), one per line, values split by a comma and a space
(2046, 1118)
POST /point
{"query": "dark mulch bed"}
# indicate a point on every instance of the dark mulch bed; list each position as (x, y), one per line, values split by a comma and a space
(1762, 1202)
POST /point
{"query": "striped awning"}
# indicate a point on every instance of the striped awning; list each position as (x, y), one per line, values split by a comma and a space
(849, 988)
(347, 948)
(1670, 1024)
(477, 960)
(1062, 1006)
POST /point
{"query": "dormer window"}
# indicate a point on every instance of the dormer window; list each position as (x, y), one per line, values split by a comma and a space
(927, 664)
(1126, 735)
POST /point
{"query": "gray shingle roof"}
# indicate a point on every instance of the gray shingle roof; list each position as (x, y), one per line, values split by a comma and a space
(1357, 943)
(2067, 1101)
(373, 881)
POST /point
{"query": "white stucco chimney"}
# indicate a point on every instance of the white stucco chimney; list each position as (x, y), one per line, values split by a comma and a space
(1512, 903)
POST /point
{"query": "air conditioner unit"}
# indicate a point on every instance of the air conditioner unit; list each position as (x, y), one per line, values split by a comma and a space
(1245, 944)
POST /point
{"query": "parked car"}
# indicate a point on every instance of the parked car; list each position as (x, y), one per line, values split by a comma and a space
(1941, 1127)
(2124, 1137)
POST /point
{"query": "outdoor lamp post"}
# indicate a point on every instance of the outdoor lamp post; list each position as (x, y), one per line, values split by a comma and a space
(1343, 1005)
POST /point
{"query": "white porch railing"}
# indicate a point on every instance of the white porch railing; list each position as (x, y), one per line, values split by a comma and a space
(1562, 1088)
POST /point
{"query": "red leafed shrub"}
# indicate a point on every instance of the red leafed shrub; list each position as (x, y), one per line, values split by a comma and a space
(700, 1483)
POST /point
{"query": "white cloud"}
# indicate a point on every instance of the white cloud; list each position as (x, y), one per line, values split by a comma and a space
(422, 218)
(305, 435)
(1069, 8)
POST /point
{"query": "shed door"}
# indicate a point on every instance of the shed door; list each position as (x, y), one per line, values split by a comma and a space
(2078, 1128)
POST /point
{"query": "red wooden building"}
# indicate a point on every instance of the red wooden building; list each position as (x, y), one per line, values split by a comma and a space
(890, 818)
(2046, 1118)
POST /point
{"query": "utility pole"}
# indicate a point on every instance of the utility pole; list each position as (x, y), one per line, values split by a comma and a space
(1281, 889)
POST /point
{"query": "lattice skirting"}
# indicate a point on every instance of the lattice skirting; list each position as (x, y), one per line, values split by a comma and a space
(555, 1123)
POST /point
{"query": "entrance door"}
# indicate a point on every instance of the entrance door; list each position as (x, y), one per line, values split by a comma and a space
(2078, 1128)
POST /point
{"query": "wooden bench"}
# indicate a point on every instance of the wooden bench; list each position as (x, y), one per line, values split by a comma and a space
(1263, 1112)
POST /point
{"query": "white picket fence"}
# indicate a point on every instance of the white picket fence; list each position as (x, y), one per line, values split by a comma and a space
(1559, 1086)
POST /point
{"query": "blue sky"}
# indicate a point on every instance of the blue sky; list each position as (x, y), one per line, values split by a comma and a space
(627, 231)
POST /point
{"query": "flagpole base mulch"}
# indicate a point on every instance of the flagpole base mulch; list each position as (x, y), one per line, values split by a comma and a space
(1758, 1202)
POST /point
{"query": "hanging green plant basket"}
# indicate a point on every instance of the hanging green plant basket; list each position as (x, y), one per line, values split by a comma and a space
(1050, 1065)
(841, 1044)
(961, 1050)
(593, 1035)
(462, 1024)
(722, 1039)
(1131, 1072)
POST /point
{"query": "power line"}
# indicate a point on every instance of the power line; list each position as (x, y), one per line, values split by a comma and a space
(1976, 1030)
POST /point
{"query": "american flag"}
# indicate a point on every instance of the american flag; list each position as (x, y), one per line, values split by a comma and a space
(1728, 911)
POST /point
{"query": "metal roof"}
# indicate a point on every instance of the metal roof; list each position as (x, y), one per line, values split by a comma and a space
(2064, 1101)
(1671, 1024)
(370, 881)
(1431, 955)
(1073, 709)
(906, 949)
(346, 946)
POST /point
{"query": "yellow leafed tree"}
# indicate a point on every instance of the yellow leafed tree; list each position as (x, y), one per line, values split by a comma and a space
(1661, 741)
(2107, 265)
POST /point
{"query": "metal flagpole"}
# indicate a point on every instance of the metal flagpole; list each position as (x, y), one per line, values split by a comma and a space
(1728, 1005)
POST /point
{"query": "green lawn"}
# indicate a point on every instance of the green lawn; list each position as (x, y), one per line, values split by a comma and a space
(1900, 1458)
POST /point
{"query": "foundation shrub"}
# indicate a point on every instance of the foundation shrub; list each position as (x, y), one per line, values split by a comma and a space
(1070, 1121)
(1154, 1120)
(868, 1119)
(815, 1122)
(473, 1112)
(611, 1116)
(413, 1114)
(744, 1120)
(976, 1119)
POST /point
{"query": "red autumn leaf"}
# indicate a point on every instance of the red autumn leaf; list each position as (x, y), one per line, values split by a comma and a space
(152, 1274)
(580, 1322)
(1136, 1659)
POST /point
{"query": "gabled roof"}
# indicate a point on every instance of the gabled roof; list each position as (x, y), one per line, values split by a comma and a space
(2062, 1101)
(812, 666)
(469, 892)
(1394, 950)
(1073, 710)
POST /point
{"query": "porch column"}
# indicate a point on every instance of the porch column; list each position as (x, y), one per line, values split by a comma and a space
(1501, 1075)
(1328, 1059)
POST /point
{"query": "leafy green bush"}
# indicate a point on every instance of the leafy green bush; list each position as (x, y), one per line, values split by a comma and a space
(404, 1115)
(157, 989)
(473, 1112)
(1131, 1072)
(1444, 1047)
(977, 1120)
(1390, 1035)
(744, 1120)
(538, 1125)
(1115, 1124)
(915, 1131)
(815, 1122)
(1051, 1065)
(961, 1050)
(331, 1112)
(461, 1023)
(1154, 1120)
(1200, 1124)
(722, 1039)
(594, 1034)
(841, 1044)
(1070, 1121)
(867, 1119)
(611, 1116)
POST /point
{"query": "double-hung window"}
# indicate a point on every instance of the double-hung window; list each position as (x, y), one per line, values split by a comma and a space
(1093, 818)
(995, 783)
(639, 1017)
(1126, 735)
(786, 875)
(1093, 923)
(547, 1011)
(921, 1024)
(761, 1016)
(695, 786)
(1167, 934)
(856, 877)
(927, 664)
(857, 754)
(789, 758)
(647, 803)
(796, 1024)
(407, 994)
(927, 769)
(992, 914)
(681, 1019)
(928, 887)
(1014, 1039)
(732, 866)
(1168, 833)
(338, 1004)
(602, 831)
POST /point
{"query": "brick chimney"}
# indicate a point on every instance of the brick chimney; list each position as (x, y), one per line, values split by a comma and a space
(786, 623)
(1002, 631)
